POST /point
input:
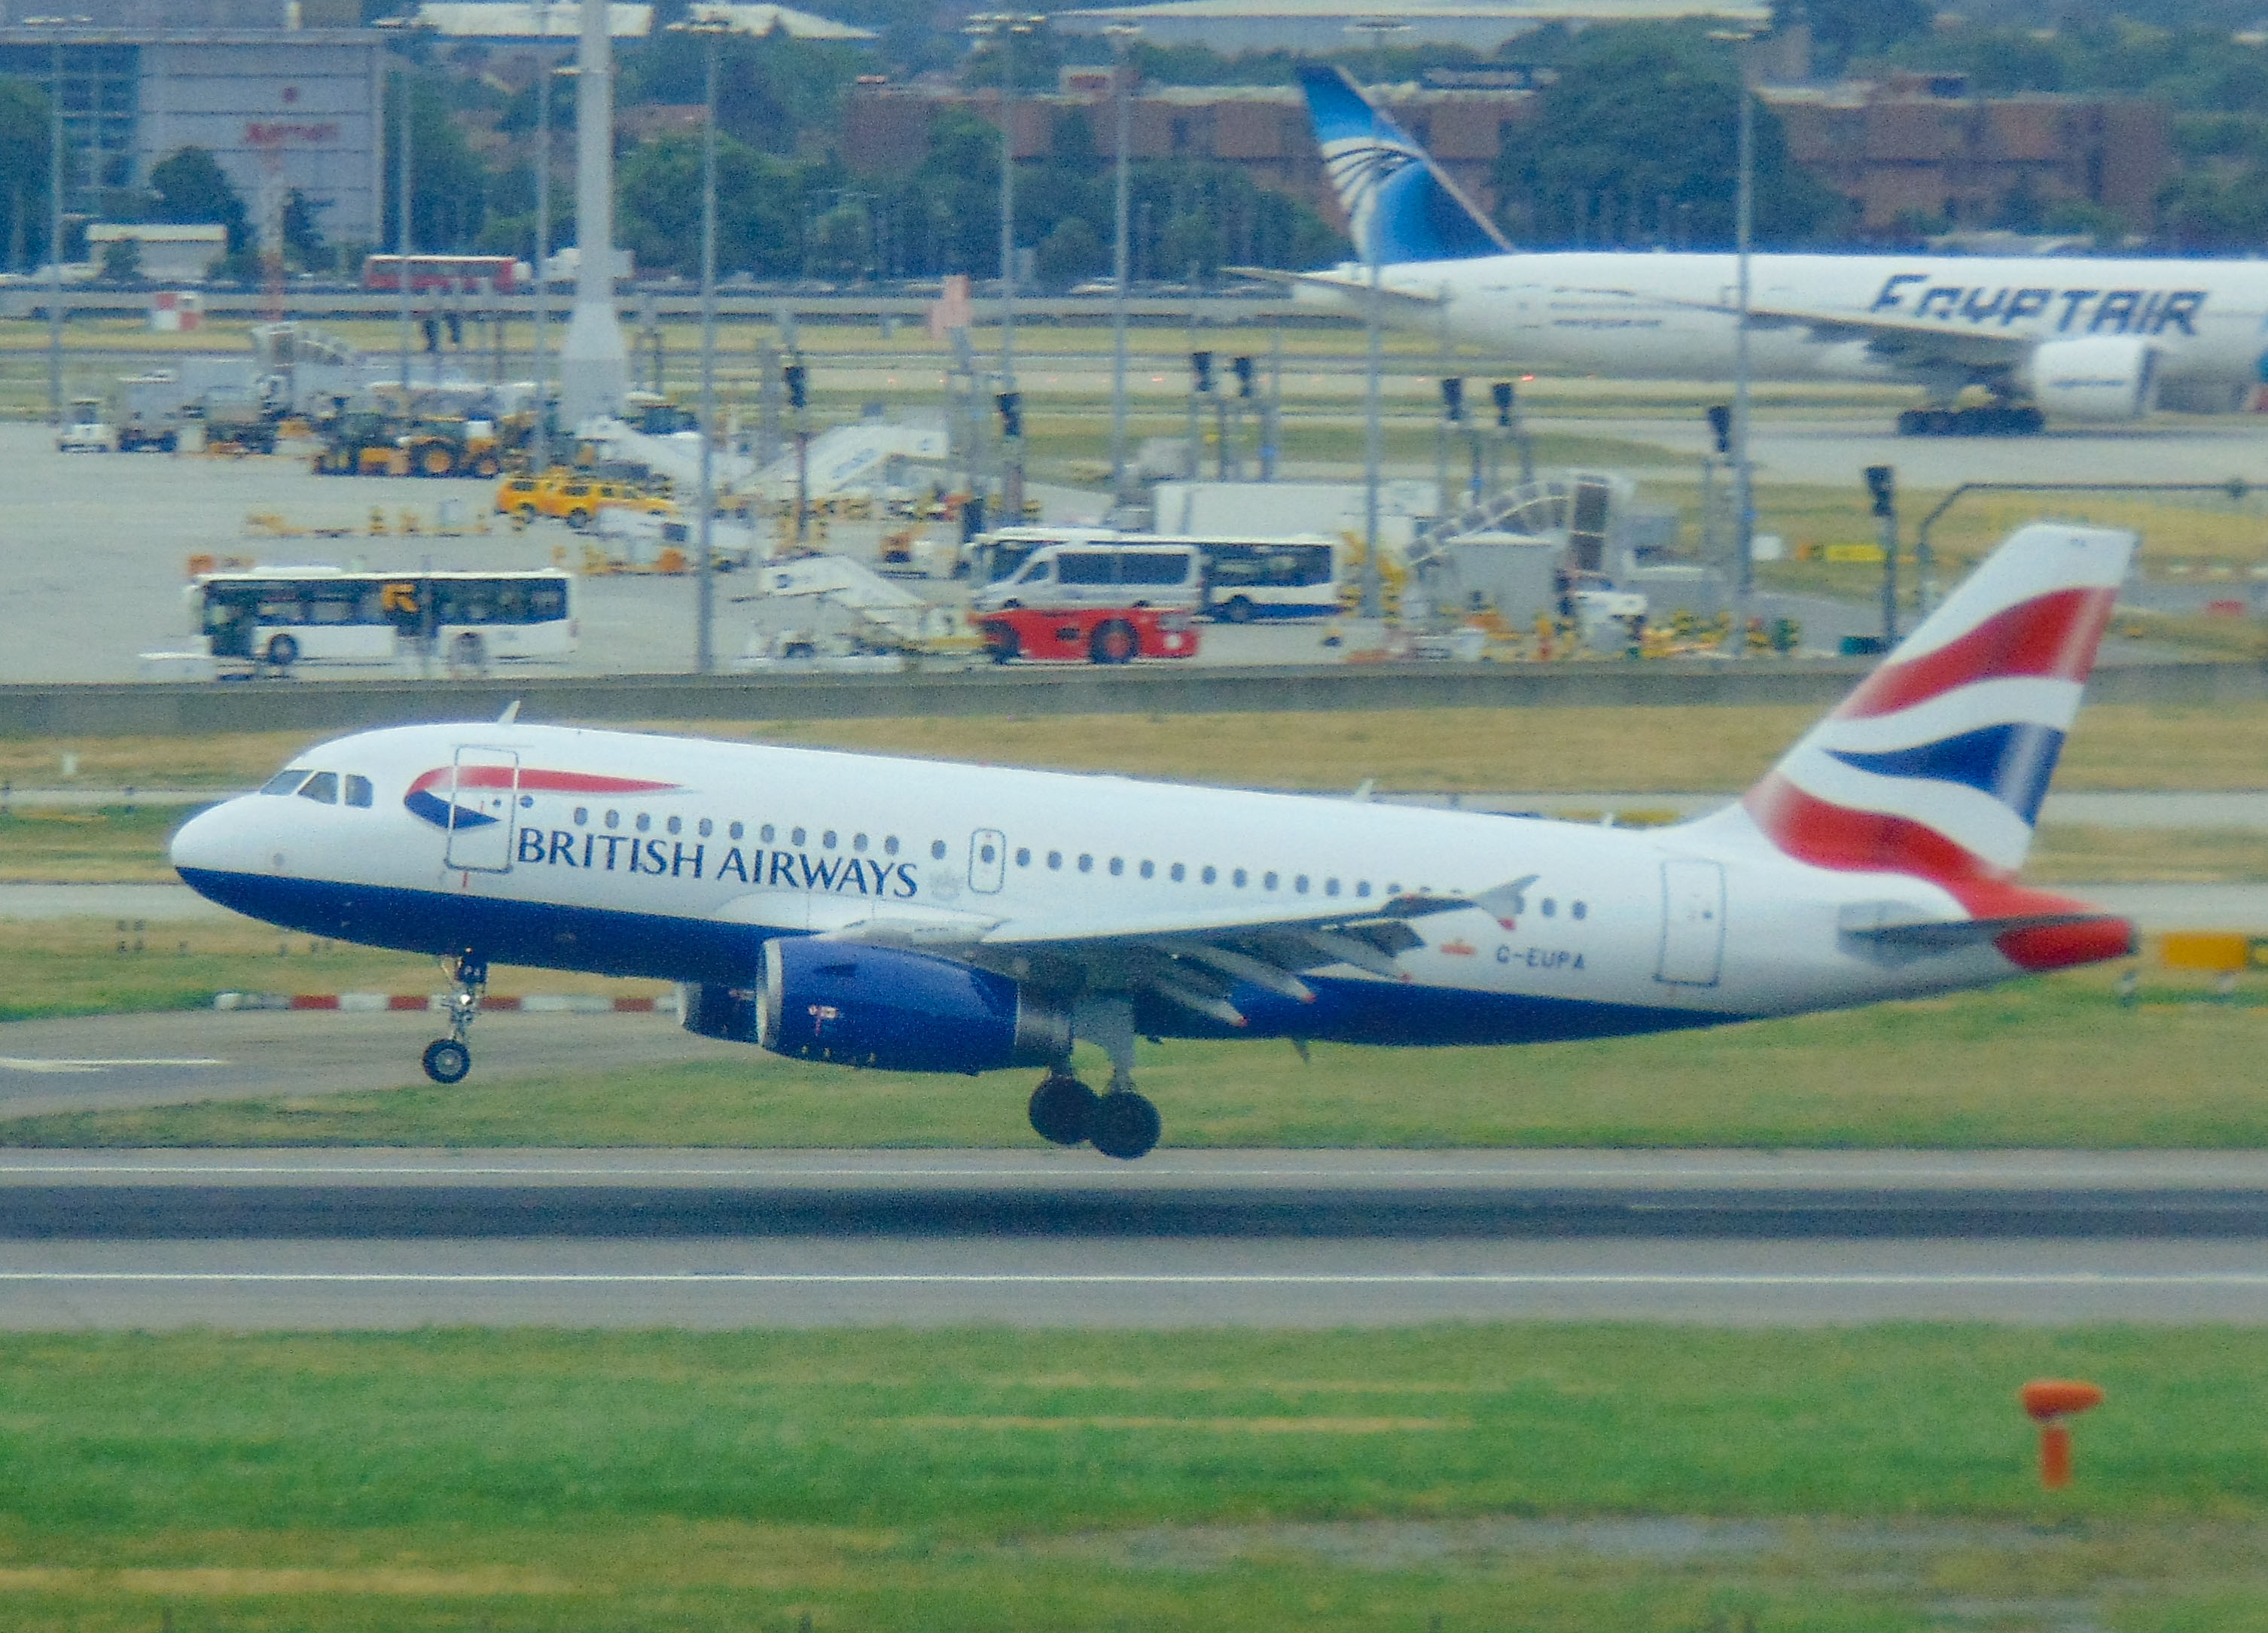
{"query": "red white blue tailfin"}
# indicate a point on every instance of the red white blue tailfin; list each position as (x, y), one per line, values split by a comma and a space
(1936, 766)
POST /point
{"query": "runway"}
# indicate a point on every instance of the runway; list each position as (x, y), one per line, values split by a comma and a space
(276, 1239)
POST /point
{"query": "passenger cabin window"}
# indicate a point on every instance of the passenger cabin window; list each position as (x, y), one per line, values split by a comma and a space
(1086, 566)
(285, 782)
(322, 788)
(358, 791)
(1152, 567)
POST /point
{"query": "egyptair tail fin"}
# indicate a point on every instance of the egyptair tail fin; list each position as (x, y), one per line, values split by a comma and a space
(1399, 205)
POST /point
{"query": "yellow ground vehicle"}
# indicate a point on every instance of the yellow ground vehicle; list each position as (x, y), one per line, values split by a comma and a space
(571, 497)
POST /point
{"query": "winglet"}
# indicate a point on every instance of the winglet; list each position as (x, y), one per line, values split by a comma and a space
(511, 713)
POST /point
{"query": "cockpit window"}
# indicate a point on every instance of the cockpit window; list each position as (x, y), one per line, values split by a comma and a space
(323, 788)
(358, 791)
(285, 782)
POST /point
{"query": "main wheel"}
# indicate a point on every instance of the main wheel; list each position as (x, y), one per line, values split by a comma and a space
(438, 461)
(1063, 1111)
(1126, 1125)
(1114, 642)
(282, 651)
(1005, 647)
(1239, 610)
(447, 1061)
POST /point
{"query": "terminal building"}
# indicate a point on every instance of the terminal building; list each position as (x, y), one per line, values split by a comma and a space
(284, 93)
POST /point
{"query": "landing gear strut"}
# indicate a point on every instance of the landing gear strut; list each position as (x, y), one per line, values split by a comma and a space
(1120, 1123)
(447, 1060)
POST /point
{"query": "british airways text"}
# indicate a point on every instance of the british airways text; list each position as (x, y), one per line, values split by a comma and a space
(779, 870)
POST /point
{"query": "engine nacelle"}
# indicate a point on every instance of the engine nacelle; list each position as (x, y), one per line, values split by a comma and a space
(2099, 377)
(898, 1012)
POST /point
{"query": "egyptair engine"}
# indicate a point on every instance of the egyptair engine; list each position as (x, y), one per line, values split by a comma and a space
(2098, 377)
(877, 1006)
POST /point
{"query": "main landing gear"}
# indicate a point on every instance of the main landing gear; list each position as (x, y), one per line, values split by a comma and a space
(1998, 419)
(448, 1060)
(1120, 1123)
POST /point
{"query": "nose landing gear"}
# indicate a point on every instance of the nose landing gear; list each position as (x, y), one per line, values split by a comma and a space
(448, 1060)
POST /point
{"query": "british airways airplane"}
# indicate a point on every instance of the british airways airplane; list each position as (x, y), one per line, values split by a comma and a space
(2073, 339)
(915, 916)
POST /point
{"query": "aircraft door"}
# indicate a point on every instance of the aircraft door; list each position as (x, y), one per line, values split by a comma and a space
(988, 860)
(1692, 922)
(483, 803)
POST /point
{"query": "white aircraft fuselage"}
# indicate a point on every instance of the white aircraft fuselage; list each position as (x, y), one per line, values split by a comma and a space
(1632, 315)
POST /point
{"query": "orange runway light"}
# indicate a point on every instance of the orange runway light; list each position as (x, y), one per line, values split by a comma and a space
(2049, 1401)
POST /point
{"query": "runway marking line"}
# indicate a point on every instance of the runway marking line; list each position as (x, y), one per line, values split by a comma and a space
(16, 1062)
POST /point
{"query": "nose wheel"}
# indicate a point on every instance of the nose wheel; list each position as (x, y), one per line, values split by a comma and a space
(448, 1060)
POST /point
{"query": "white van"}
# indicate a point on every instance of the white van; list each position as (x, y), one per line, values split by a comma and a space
(1120, 573)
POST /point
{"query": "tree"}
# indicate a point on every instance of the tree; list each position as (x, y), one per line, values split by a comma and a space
(121, 260)
(761, 203)
(1843, 29)
(1071, 251)
(303, 236)
(190, 187)
(1639, 125)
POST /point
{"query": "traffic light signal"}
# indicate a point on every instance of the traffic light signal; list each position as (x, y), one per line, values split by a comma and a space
(1011, 413)
(1241, 367)
(791, 374)
(1201, 366)
(1453, 399)
(1720, 426)
(1883, 482)
(1502, 391)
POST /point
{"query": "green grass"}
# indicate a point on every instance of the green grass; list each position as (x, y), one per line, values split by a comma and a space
(989, 1479)
(2052, 1063)
(88, 966)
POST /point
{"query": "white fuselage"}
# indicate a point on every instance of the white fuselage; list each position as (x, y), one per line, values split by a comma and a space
(1630, 315)
(677, 858)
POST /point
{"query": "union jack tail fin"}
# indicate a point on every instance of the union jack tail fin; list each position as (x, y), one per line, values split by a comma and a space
(1936, 765)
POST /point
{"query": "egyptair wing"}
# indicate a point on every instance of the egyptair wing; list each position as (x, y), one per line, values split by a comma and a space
(1349, 284)
(1195, 961)
(1908, 340)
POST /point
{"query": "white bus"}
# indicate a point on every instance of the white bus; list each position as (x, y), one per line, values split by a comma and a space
(1101, 572)
(281, 616)
(1243, 579)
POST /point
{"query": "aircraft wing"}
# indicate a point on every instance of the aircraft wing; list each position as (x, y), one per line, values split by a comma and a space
(1352, 288)
(1195, 961)
(1902, 339)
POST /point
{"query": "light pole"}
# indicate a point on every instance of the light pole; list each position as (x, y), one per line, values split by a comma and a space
(1006, 26)
(1366, 225)
(56, 177)
(1123, 36)
(400, 27)
(543, 67)
(1743, 473)
(704, 655)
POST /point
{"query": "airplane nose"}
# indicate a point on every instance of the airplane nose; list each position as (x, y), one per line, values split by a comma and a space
(201, 844)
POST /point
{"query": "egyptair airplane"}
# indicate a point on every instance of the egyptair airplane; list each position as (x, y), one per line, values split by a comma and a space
(2084, 340)
(915, 916)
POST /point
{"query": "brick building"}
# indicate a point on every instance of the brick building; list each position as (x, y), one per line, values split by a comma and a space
(1261, 129)
(1912, 148)
(1917, 147)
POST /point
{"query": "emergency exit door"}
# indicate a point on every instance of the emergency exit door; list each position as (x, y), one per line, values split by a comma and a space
(1692, 922)
(988, 860)
(483, 800)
